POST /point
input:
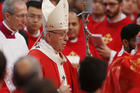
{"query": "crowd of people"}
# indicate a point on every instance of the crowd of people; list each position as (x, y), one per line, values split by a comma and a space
(44, 46)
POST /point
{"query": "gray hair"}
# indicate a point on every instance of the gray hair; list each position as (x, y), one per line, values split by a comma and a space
(36, 68)
(34, 73)
(9, 6)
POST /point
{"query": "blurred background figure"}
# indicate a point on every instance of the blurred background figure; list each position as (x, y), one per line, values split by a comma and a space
(41, 86)
(130, 8)
(75, 49)
(33, 29)
(98, 14)
(3, 63)
(92, 73)
(27, 69)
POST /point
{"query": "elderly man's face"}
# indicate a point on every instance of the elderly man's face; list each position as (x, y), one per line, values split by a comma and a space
(18, 19)
(57, 39)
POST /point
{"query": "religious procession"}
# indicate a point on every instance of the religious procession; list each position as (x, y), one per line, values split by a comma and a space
(69, 46)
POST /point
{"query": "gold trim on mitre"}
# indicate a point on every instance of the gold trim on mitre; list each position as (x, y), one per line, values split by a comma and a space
(56, 17)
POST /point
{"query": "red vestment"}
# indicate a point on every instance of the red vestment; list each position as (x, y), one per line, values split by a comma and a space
(112, 84)
(130, 73)
(78, 48)
(53, 69)
(111, 32)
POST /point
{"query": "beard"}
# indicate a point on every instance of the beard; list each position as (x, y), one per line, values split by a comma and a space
(110, 14)
(131, 48)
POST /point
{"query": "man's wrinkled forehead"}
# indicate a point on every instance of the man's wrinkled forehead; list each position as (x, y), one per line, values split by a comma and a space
(61, 31)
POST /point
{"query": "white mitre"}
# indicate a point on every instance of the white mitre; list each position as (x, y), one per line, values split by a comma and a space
(55, 17)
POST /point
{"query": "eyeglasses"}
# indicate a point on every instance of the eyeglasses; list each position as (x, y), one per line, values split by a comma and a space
(111, 4)
(20, 16)
(60, 34)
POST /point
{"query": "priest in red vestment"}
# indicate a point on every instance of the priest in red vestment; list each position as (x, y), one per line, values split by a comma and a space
(55, 65)
(128, 37)
(129, 73)
(111, 27)
(75, 49)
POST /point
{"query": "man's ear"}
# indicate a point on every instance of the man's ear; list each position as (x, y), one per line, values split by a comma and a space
(125, 43)
(7, 16)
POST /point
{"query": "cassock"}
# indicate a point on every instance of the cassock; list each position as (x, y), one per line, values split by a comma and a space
(13, 45)
(111, 31)
(55, 66)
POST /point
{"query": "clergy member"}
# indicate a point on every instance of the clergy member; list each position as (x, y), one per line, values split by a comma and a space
(12, 44)
(54, 64)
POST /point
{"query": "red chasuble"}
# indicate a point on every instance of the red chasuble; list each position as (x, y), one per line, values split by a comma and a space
(130, 74)
(112, 84)
(78, 48)
(111, 32)
(51, 69)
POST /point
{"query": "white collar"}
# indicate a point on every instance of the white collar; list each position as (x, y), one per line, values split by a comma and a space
(44, 43)
(74, 40)
(122, 16)
(13, 32)
(121, 52)
(35, 35)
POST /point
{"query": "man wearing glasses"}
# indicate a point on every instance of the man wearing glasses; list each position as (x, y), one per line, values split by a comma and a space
(54, 64)
(111, 27)
(12, 44)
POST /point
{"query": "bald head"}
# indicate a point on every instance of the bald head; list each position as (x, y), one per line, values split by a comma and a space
(74, 25)
(26, 69)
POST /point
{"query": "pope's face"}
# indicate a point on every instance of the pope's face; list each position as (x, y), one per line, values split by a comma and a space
(57, 39)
